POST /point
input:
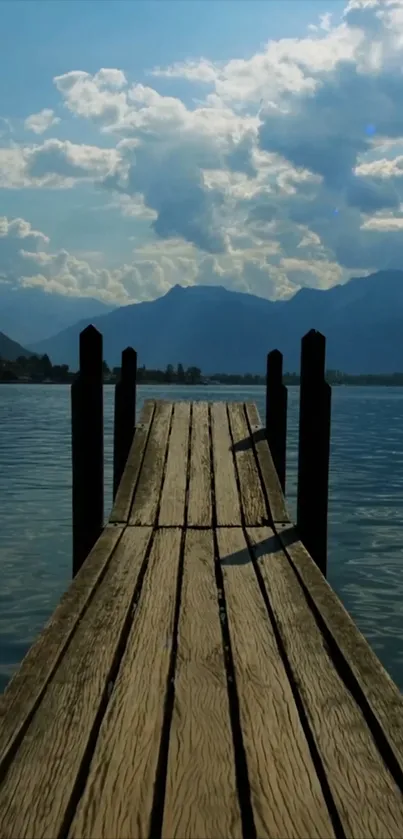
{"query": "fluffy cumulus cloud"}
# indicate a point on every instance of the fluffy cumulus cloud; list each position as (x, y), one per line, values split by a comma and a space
(287, 172)
(17, 235)
(55, 163)
(40, 122)
(27, 259)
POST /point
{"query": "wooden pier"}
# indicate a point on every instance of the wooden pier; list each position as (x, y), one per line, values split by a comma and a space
(200, 678)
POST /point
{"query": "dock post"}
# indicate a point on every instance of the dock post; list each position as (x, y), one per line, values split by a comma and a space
(87, 447)
(125, 415)
(276, 413)
(314, 448)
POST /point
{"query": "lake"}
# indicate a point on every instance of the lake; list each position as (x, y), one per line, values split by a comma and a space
(365, 563)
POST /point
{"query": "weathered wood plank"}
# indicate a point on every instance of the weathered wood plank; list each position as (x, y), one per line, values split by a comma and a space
(123, 770)
(201, 797)
(286, 795)
(148, 492)
(124, 496)
(199, 506)
(369, 802)
(173, 496)
(277, 505)
(252, 498)
(227, 506)
(25, 689)
(40, 786)
(382, 695)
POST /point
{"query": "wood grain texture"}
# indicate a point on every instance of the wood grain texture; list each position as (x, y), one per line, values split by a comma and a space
(25, 689)
(383, 696)
(123, 769)
(227, 506)
(36, 793)
(286, 794)
(201, 797)
(368, 800)
(252, 498)
(277, 505)
(148, 492)
(199, 505)
(173, 496)
(124, 496)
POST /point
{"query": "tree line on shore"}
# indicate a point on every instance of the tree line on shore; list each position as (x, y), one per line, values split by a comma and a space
(40, 370)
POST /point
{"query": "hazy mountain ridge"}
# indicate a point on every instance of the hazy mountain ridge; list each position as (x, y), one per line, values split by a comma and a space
(10, 350)
(220, 330)
(31, 314)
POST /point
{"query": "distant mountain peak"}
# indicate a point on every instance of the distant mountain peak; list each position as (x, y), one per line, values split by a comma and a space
(11, 350)
(176, 289)
(33, 314)
(229, 331)
(199, 290)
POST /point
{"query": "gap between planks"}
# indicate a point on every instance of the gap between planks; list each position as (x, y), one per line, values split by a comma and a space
(178, 446)
(358, 784)
(44, 781)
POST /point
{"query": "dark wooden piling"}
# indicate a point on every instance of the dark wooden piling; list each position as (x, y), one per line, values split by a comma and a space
(125, 414)
(314, 447)
(276, 413)
(87, 447)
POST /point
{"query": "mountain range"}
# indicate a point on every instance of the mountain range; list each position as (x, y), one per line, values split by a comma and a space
(10, 349)
(231, 332)
(32, 314)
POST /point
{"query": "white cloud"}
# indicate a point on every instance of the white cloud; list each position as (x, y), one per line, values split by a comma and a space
(26, 257)
(15, 236)
(97, 97)
(42, 121)
(288, 173)
(64, 273)
(55, 163)
(12, 167)
(380, 223)
(287, 66)
(382, 168)
(61, 160)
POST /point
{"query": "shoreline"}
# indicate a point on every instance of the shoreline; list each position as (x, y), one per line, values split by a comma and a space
(213, 384)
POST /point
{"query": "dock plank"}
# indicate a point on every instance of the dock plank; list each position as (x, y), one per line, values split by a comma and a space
(381, 693)
(271, 483)
(123, 770)
(24, 691)
(286, 795)
(199, 505)
(173, 496)
(252, 498)
(201, 796)
(41, 783)
(124, 496)
(368, 800)
(148, 492)
(227, 506)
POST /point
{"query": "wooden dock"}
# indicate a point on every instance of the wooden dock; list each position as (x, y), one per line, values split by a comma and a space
(200, 678)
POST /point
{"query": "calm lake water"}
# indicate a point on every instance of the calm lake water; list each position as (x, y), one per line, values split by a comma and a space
(365, 511)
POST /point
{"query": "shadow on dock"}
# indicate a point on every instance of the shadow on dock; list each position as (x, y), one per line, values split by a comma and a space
(268, 547)
(254, 438)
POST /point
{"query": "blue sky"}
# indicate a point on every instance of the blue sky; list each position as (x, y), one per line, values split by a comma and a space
(58, 35)
(256, 145)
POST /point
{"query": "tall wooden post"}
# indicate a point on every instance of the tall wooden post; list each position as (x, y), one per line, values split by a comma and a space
(314, 447)
(87, 447)
(125, 414)
(276, 413)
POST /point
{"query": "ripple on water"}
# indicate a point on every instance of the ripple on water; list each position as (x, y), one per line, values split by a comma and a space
(365, 508)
